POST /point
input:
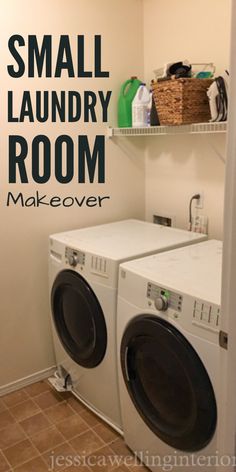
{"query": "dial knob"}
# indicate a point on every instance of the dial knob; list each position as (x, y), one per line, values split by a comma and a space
(161, 303)
(73, 261)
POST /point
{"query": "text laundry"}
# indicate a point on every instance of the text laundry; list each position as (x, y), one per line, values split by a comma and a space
(70, 106)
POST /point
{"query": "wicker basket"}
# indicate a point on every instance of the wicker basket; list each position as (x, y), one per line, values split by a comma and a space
(182, 101)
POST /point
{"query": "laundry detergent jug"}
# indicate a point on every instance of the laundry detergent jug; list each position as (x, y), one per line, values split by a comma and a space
(127, 94)
(140, 107)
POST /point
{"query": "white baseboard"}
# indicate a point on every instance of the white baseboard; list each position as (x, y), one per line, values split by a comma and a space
(21, 383)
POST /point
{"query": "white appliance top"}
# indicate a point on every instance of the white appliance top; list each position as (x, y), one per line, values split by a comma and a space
(126, 239)
(193, 270)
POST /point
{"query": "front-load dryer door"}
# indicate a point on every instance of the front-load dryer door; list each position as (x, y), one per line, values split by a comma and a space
(168, 383)
(78, 319)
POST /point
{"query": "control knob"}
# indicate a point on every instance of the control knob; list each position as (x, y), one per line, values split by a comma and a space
(161, 303)
(73, 261)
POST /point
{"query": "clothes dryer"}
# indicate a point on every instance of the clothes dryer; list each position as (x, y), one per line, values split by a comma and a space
(84, 268)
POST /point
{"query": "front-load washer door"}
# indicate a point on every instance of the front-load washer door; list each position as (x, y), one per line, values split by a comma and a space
(168, 383)
(78, 319)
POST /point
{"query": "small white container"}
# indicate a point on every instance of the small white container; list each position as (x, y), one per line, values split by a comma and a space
(140, 106)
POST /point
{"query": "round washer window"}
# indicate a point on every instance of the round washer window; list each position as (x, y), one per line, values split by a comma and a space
(168, 383)
(78, 319)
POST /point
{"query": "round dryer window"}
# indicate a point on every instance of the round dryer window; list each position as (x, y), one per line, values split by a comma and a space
(78, 319)
(168, 383)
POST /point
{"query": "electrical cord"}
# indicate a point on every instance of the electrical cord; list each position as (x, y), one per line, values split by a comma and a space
(194, 197)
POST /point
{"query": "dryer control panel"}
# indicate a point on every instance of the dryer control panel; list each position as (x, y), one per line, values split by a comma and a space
(164, 298)
(74, 257)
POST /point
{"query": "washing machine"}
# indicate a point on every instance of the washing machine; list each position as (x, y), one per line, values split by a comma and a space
(168, 320)
(83, 284)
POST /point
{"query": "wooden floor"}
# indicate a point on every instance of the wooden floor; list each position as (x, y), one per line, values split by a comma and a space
(42, 430)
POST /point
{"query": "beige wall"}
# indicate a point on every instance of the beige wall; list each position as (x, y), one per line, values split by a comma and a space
(177, 167)
(25, 337)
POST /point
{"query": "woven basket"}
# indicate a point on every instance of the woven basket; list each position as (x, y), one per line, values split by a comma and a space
(182, 101)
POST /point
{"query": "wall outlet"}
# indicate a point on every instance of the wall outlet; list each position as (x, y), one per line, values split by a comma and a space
(200, 202)
(200, 224)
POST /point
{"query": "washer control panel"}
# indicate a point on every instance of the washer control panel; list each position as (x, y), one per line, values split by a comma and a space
(74, 257)
(206, 314)
(164, 298)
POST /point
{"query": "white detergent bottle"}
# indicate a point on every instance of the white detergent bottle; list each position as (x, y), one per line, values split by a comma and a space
(140, 106)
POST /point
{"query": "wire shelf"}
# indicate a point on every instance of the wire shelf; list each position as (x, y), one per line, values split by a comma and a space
(196, 128)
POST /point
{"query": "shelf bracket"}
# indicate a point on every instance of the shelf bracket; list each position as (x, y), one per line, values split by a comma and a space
(110, 132)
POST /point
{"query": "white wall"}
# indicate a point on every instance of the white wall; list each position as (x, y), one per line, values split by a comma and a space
(25, 336)
(177, 167)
